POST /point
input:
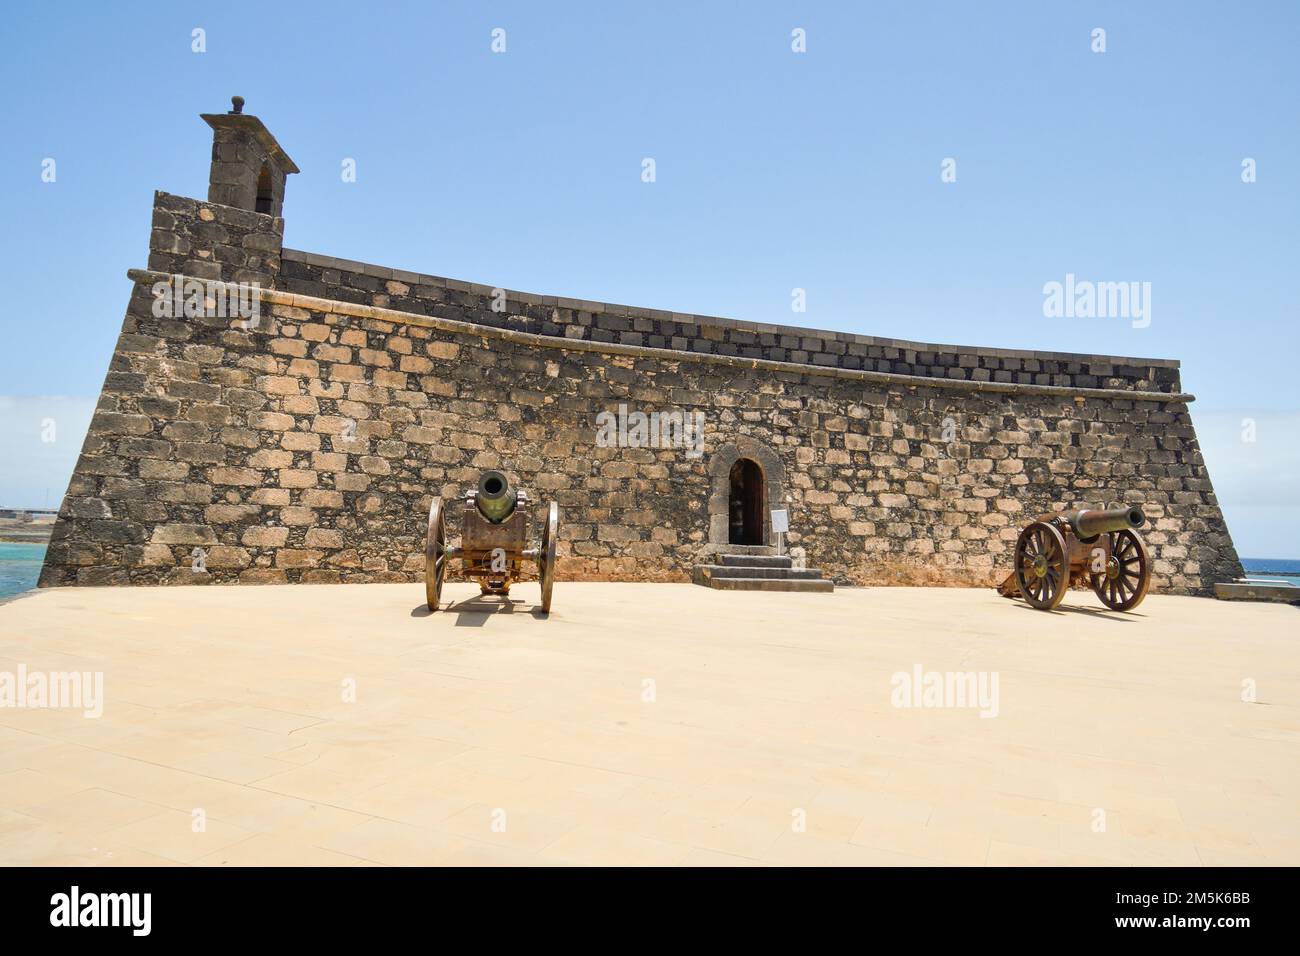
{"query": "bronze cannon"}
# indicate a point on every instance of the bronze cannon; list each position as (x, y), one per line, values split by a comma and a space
(494, 541)
(1095, 548)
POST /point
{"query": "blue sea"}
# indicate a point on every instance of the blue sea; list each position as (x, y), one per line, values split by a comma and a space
(1273, 569)
(20, 565)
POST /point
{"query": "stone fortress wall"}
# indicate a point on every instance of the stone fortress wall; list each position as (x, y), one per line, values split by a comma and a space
(364, 284)
(306, 446)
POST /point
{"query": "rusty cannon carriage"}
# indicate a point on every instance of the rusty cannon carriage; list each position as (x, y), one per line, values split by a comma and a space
(1093, 548)
(494, 541)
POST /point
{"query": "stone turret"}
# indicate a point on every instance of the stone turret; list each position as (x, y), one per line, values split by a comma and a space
(238, 234)
(248, 165)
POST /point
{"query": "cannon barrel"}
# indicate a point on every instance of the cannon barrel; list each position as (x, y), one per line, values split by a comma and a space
(495, 499)
(1090, 522)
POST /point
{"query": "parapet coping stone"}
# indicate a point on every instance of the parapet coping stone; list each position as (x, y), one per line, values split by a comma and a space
(585, 305)
(1250, 591)
(334, 306)
(251, 124)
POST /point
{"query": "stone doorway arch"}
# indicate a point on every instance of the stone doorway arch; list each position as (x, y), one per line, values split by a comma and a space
(769, 495)
(745, 503)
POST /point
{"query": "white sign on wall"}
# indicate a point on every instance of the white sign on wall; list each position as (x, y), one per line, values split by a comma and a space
(780, 521)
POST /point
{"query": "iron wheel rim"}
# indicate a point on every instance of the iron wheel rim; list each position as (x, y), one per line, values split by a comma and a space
(435, 554)
(546, 575)
(1041, 571)
(1123, 585)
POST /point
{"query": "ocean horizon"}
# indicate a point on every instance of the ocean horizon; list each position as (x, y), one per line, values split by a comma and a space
(1274, 569)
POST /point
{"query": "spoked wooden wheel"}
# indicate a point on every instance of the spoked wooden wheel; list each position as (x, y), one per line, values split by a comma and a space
(435, 554)
(546, 556)
(1041, 569)
(1124, 583)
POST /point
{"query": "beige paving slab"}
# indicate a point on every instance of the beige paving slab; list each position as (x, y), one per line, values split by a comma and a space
(92, 810)
(395, 844)
(23, 789)
(648, 725)
(808, 849)
(267, 849)
(515, 826)
(410, 802)
(697, 857)
(602, 845)
(232, 766)
(1015, 854)
(263, 811)
(177, 836)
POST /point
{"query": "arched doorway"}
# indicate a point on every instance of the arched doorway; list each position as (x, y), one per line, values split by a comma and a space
(265, 191)
(770, 489)
(745, 503)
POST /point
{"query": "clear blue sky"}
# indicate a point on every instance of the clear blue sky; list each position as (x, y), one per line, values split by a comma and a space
(775, 170)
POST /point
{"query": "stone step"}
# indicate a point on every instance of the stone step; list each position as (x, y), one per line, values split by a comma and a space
(740, 571)
(755, 549)
(754, 560)
(819, 585)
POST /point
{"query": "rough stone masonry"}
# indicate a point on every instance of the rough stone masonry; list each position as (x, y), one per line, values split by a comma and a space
(306, 444)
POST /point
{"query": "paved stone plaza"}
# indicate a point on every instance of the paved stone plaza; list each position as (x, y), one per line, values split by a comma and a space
(646, 724)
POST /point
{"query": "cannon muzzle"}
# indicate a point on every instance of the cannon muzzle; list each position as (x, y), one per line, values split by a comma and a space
(495, 499)
(1090, 522)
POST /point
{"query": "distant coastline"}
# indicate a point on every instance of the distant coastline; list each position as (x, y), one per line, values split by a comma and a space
(1284, 570)
(18, 537)
(24, 537)
(26, 526)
